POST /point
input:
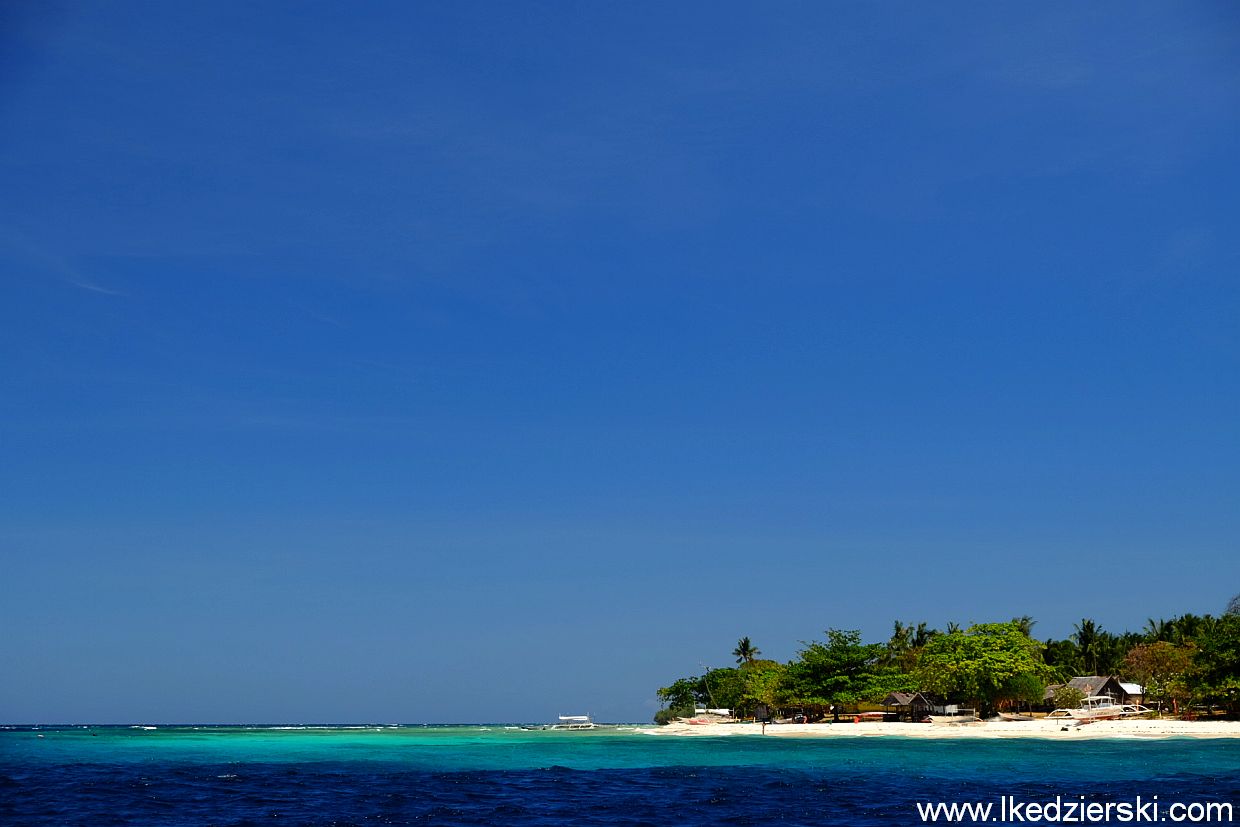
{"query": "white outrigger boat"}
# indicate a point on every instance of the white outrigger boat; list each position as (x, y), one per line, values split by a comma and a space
(704, 715)
(955, 715)
(1100, 708)
(574, 722)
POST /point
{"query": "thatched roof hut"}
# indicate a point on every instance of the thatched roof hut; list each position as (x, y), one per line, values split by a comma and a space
(1100, 685)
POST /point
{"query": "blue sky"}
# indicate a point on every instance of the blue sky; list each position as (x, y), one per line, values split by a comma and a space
(494, 361)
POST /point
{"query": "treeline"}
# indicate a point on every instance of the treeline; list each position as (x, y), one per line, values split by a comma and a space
(1187, 660)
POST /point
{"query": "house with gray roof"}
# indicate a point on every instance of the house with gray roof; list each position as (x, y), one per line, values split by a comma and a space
(1110, 685)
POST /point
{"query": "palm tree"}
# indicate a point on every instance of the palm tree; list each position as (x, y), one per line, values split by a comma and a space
(745, 651)
(1189, 627)
(1233, 606)
(900, 643)
(952, 627)
(1088, 639)
(1157, 629)
(1025, 623)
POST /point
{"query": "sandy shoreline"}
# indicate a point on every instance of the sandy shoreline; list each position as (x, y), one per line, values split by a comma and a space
(1156, 728)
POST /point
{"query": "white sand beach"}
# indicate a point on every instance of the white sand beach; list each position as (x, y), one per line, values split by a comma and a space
(1058, 729)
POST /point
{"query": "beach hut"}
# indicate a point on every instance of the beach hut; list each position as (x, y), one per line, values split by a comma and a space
(1109, 685)
(914, 705)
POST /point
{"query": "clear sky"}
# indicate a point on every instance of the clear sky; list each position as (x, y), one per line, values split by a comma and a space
(488, 361)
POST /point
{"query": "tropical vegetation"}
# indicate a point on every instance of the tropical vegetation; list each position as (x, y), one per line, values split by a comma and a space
(1183, 662)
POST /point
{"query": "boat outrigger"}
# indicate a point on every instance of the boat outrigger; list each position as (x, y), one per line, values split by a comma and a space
(705, 715)
(1100, 708)
(567, 722)
(955, 715)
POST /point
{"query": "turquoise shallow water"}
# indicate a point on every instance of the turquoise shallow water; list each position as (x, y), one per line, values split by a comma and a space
(476, 775)
(461, 748)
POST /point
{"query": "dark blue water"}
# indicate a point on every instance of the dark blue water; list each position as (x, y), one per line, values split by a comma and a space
(459, 776)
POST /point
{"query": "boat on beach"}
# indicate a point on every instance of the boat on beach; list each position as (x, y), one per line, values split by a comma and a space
(1100, 708)
(705, 715)
(955, 715)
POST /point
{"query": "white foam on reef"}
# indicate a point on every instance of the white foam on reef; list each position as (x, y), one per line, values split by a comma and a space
(319, 727)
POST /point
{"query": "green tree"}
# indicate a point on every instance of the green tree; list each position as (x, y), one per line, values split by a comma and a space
(900, 643)
(986, 665)
(1188, 627)
(1025, 623)
(905, 645)
(764, 684)
(1087, 637)
(1067, 697)
(841, 670)
(723, 688)
(1102, 653)
(1024, 688)
(745, 651)
(1064, 659)
(677, 699)
(1112, 649)
(922, 635)
(1215, 671)
(1157, 630)
(1160, 668)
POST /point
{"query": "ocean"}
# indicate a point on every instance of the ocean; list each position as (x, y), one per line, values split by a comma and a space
(471, 775)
